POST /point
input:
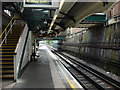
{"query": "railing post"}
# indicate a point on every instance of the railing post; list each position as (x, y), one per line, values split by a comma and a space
(5, 37)
(11, 24)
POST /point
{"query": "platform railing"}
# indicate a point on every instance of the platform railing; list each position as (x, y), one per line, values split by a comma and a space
(6, 31)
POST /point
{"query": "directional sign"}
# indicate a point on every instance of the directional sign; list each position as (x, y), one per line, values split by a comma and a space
(57, 38)
(41, 3)
(38, 2)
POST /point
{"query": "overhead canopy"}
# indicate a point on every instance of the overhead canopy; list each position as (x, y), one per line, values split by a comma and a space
(77, 11)
(71, 14)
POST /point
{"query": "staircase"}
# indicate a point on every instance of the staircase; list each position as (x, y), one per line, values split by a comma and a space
(7, 53)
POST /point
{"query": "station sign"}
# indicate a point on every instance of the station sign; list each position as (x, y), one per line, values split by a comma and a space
(41, 3)
(58, 38)
(54, 38)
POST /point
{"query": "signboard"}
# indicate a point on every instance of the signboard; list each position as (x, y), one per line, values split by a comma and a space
(41, 3)
(54, 38)
(38, 2)
(57, 38)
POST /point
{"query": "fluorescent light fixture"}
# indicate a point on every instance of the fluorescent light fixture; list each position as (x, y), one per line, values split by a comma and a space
(50, 27)
(46, 11)
(61, 4)
(52, 23)
(49, 31)
(54, 18)
(56, 13)
(100, 13)
(45, 22)
(37, 9)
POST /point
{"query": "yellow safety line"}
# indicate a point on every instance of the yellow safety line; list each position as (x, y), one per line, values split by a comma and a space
(71, 85)
(6, 27)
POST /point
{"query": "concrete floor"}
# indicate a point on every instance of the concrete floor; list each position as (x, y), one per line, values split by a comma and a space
(44, 73)
(37, 74)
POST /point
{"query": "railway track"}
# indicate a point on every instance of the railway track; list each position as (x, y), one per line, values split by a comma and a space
(89, 78)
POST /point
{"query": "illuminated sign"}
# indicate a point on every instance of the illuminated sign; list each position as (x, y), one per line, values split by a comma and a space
(41, 3)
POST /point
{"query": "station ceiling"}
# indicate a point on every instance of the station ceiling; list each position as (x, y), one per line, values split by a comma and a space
(71, 14)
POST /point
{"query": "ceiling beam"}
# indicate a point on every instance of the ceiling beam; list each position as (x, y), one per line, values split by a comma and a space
(59, 24)
(49, 21)
(68, 16)
(61, 17)
(90, 23)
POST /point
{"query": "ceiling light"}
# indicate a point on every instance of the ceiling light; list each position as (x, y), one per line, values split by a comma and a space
(45, 22)
(52, 23)
(54, 17)
(56, 14)
(50, 27)
(61, 4)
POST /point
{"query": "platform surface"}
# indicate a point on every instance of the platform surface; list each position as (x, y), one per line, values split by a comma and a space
(45, 73)
(37, 74)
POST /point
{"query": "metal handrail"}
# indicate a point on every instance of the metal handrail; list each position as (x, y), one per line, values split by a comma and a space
(6, 33)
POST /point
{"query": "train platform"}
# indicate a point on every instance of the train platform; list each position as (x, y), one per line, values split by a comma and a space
(46, 72)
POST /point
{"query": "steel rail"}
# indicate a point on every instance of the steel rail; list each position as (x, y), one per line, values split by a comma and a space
(113, 83)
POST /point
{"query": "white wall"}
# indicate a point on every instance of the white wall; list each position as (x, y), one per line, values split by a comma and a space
(28, 51)
(19, 51)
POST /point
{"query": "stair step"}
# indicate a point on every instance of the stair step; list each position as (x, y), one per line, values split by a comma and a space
(9, 44)
(7, 71)
(16, 32)
(7, 53)
(7, 50)
(15, 36)
(4, 59)
(12, 37)
(8, 38)
(12, 42)
(3, 51)
(7, 67)
(7, 63)
(7, 76)
(5, 47)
